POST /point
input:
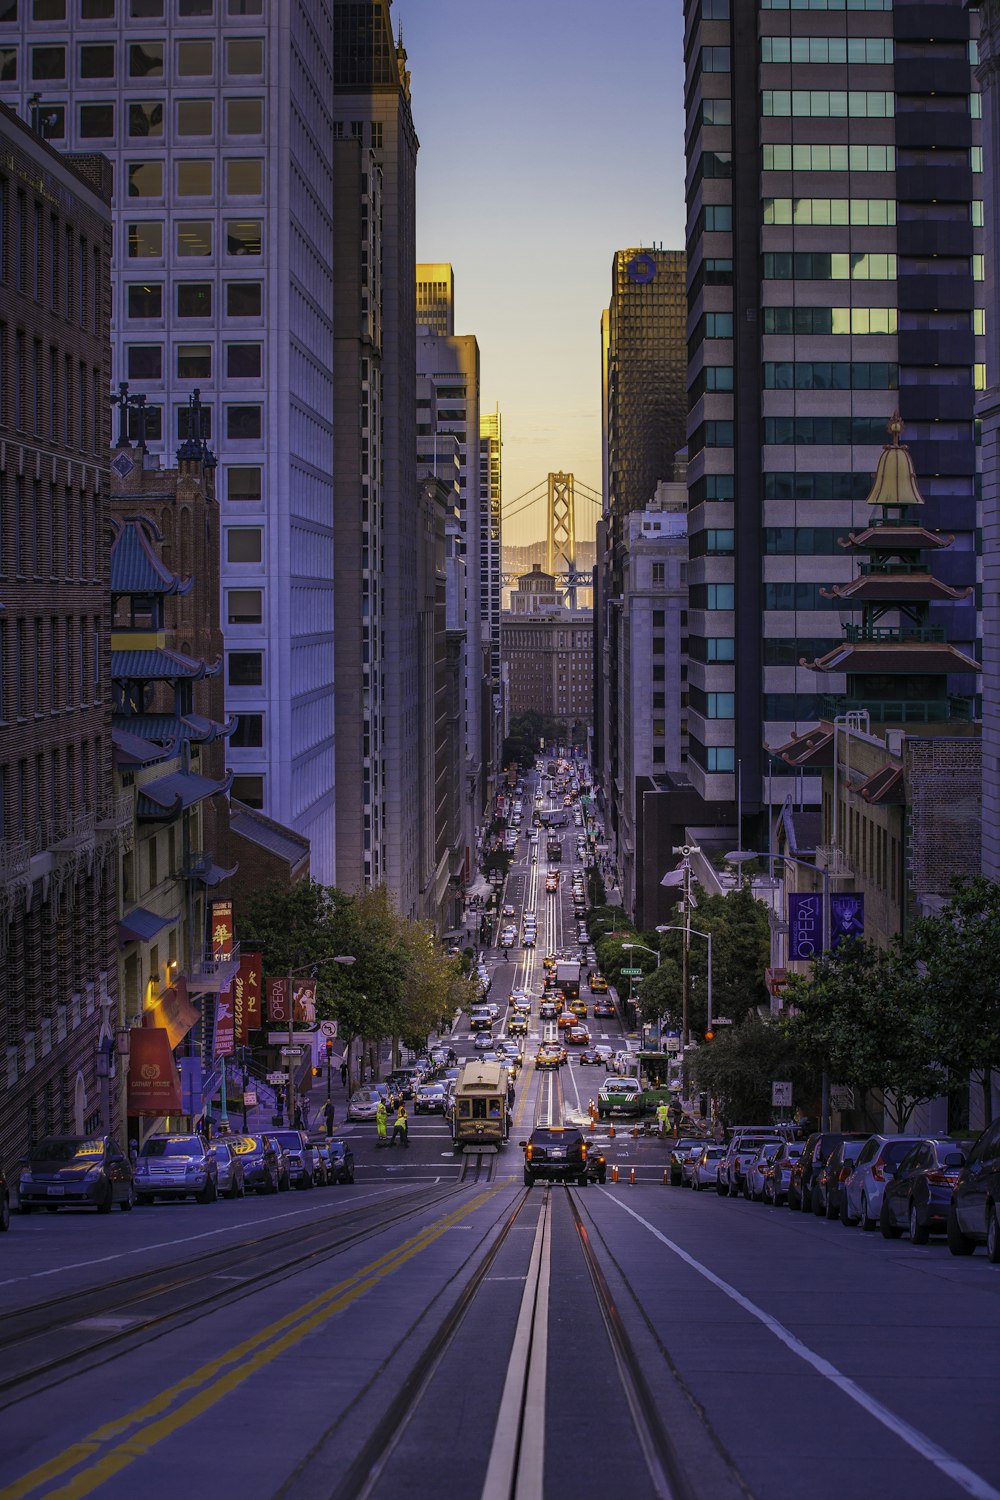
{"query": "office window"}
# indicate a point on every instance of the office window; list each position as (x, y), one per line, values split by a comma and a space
(145, 240)
(97, 61)
(48, 10)
(194, 361)
(718, 217)
(658, 574)
(194, 59)
(194, 299)
(97, 121)
(244, 422)
(145, 10)
(194, 178)
(243, 236)
(183, 424)
(244, 544)
(48, 63)
(246, 668)
(244, 606)
(244, 57)
(194, 237)
(826, 49)
(195, 7)
(97, 10)
(248, 790)
(244, 7)
(145, 120)
(720, 596)
(861, 211)
(152, 421)
(244, 177)
(145, 361)
(244, 116)
(720, 758)
(145, 300)
(194, 117)
(145, 60)
(244, 299)
(243, 361)
(828, 104)
(8, 64)
(244, 483)
(145, 179)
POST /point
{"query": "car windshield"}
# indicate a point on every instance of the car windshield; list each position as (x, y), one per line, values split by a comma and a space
(64, 1150)
(248, 1145)
(555, 1137)
(173, 1145)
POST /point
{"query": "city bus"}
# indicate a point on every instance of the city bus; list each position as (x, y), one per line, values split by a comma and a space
(479, 1115)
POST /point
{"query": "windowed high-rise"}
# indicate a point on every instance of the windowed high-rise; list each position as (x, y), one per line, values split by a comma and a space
(833, 260)
(216, 116)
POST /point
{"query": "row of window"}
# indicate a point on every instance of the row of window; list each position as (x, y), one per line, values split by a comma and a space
(826, 49)
(777, 651)
(826, 4)
(858, 104)
(874, 211)
(194, 299)
(49, 260)
(51, 393)
(830, 375)
(835, 431)
(144, 362)
(193, 119)
(194, 238)
(834, 320)
(820, 265)
(818, 158)
(48, 62)
(48, 665)
(48, 532)
(194, 177)
(789, 485)
(138, 10)
(242, 422)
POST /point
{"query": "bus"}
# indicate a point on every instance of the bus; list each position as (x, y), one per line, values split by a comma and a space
(479, 1113)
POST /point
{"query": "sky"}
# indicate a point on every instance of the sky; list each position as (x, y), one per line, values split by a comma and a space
(551, 135)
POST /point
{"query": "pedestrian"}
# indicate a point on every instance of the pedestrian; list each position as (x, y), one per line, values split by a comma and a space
(133, 1151)
(329, 1115)
(343, 1075)
(380, 1118)
(401, 1127)
(297, 1121)
(663, 1116)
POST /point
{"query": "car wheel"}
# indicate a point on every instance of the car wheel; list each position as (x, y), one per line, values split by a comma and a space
(993, 1234)
(24, 1208)
(805, 1201)
(4, 1215)
(816, 1203)
(107, 1199)
(889, 1230)
(779, 1200)
(128, 1202)
(583, 1181)
(866, 1221)
(919, 1233)
(830, 1210)
(529, 1181)
(721, 1188)
(234, 1188)
(958, 1241)
(846, 1217)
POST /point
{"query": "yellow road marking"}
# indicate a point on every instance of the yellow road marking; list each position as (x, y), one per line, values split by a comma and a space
(263, 1346)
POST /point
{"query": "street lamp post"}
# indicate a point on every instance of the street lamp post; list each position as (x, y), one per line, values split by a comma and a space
(631, 981)
(343, 958)
(685, 851)
(689, 932)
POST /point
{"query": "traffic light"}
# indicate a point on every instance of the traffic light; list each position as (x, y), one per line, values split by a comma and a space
(329, 1048)
(315, 1072)
(709, 1035)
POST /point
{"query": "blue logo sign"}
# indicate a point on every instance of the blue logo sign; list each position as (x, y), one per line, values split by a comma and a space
(805, 925)
(847, 916)
(641, 268)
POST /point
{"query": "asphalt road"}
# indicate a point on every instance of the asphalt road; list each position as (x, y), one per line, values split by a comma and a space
(418, 1334)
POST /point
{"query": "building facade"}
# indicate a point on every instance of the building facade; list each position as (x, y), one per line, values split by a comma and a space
(436, 298)
(61, 828)
(834, 270)
(548, 652)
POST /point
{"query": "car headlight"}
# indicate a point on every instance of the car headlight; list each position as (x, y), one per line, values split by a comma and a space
(93, 1172)
(195, 1170)
(26, 1177)
(142, 1167)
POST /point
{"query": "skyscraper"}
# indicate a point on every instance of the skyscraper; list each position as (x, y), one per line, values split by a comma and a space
(436, 298)
(834, 253)
(490, 572)
(217, 122)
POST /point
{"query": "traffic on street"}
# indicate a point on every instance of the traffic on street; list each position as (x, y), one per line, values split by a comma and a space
(516, 1298)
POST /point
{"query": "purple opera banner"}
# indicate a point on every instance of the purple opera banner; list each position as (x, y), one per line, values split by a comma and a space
(805, 925)
(847, 916)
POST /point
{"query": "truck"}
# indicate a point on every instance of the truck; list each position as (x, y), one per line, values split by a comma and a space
(553, 851)
(568, 978)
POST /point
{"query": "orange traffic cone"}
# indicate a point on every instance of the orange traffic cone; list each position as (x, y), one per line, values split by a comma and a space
(631, 1178)
(593, 1127)
(614, 1173)
(666, 1177)
(635, 1132)
(611, 1130)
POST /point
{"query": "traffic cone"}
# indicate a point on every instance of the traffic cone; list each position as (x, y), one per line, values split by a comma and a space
(666, 1177)
(611, 1130)
(635, 1132)
(614, 1173)
(631, 1178)
(593, 1127)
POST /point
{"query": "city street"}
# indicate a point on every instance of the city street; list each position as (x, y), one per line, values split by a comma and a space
(438, 1326)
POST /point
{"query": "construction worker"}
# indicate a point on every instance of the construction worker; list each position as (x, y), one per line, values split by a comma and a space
(663, 1116)
(380, 1119)
(401, 1127)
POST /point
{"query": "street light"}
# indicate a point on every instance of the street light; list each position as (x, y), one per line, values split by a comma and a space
(674, 927)
(645, 950)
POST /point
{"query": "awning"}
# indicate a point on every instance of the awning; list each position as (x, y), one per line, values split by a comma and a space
(173, 1012)
(170, 795)
(215, 875)
(141, 926)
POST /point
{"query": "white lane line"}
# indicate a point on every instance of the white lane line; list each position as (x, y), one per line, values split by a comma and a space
(188, 1239)
(964, 1477)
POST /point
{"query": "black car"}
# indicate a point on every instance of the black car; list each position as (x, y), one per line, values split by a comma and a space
(975, 1201)
(76, 1171)
(830, 1183)
(4, 1203)
(341, 1161)
(917, 1197)
(597, 1165)
(262, 1162)
(817, 1148)
(555, 1153)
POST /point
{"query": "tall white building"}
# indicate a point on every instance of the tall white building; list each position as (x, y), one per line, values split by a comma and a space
(217, 121)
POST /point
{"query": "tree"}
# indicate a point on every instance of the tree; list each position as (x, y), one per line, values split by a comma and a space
(739, 1066)
(741, 949)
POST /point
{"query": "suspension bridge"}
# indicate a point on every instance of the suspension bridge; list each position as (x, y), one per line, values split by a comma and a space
(559, 492)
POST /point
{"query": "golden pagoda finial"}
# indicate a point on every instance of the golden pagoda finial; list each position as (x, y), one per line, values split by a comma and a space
(895, 483)
(895, 426)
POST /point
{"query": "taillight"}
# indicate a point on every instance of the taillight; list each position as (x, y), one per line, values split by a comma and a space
(878, 1171)
(584, 1151)
(528, 1152)
(943, 1178)
(844, 1173)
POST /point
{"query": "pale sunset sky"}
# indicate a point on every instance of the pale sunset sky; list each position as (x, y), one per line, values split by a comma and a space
(551, 135)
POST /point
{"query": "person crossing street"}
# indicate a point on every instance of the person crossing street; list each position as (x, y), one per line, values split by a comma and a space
(380, 1121)
(401, 1127)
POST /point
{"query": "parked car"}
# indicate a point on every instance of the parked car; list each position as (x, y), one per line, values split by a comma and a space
(680, 1151)
(917, 1198)
(176, 1166)
(302, 1168)
(975, 1199)
(877, 1161)
(830, 1182)
(341, 1161)
(817, 1148)
(362, 1104)
(738, 1155)
(705, 1172)
(263, 1162)
(4, 1203)
(230, 1165)
(776, 1175)
(753, 1177)
(77, 1171)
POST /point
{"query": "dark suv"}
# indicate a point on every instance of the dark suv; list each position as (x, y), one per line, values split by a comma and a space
(974, 1210)
(555, 1153)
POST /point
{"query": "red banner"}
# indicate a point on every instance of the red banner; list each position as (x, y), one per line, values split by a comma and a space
(153, 1085)
(222, 930)
(251, 977)
(277, 999)
(224, 1030)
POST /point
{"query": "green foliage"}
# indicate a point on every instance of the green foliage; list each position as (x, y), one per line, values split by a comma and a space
(741, 948)
(740, 1065)
(496, 858)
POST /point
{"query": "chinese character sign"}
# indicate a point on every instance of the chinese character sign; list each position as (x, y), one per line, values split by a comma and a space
(222, 930)
(224, 1032)
(805, 925)
(246, 998)
(847, 916)
(277, 1000)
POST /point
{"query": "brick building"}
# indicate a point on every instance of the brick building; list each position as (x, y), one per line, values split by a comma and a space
(60, 827)
(548, 651)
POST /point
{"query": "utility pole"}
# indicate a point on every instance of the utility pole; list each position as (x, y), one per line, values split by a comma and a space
(685, 851)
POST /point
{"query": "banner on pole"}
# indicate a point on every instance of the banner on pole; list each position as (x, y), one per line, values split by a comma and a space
(847, 916)
(222, 930)
(805, 925)
(224, 1028)
(277, 999)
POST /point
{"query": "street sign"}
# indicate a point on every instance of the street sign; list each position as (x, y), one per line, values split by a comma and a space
(722, 1020)
(672, 1043)
(841, 1096)
(276, 1078)
(328, 1028)
(632, 973)
(249, 1098)
(781, 1095)
(292, 1051)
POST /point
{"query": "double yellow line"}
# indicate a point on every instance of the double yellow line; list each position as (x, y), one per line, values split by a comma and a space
(136, 1434)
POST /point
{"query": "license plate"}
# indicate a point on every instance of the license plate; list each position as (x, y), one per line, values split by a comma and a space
(558, 1154)
(56, 1192)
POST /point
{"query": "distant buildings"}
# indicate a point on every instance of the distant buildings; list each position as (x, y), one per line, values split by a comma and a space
(548, 652)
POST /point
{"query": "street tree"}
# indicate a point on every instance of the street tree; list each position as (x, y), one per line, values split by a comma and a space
(739, 1066)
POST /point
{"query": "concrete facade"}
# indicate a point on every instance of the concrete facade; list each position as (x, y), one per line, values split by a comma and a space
(548, 651)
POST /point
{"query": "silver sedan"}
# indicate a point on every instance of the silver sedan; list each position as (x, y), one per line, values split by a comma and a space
(705, 1172)
(231, 1183)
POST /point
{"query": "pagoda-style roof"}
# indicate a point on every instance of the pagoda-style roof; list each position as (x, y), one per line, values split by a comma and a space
(131, 750)
(884, 787)
(173, 727)
(893, 588)
(169, 796)
(885, 658)
(136, 567)
(161, 665)
(894, 539)
(895, 482)
(813, 749)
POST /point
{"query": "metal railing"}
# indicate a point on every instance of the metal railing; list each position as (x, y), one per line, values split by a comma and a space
(894, 632)
(903, 710)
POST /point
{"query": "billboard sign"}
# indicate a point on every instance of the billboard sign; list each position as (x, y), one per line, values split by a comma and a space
(153, 1085)
(222, 930)
(805, 925)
